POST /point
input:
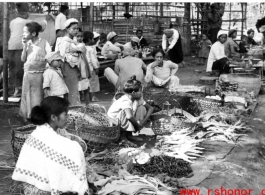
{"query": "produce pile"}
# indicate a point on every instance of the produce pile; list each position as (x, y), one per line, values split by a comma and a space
(174, 167)
(187, 88)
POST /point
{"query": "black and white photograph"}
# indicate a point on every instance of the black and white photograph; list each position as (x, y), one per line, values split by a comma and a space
(132, 98)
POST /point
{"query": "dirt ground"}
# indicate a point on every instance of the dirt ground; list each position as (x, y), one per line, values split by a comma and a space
(242, 168)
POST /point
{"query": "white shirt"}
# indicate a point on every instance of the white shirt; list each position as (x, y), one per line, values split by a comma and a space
(53, 79)
(60, 22)
(217, 52)
(172, 40)
(123, 103)
(16, 33)
(109, 48)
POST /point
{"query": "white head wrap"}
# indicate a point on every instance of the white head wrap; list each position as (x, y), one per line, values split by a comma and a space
(69, 21)
(111, 35)
(51, 56)
(262, 28)
(96, 35)
(128, 51)
(135, 39)
(221, 32)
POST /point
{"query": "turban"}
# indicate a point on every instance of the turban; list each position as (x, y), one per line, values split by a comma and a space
(135, 39)
(111, 35)
(221, 32)
(43, 24)
(128, 52)
(53, 56)
(262, 29)
(70, 21)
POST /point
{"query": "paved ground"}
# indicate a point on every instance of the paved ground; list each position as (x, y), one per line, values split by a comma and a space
(248, 158)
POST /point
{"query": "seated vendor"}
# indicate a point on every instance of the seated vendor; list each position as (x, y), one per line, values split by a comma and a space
(51, 160)
(231, 47)
(111, 48)
(125, 68)
(134, 43)
(162, 73)
(250, 40)
(139, 34)
(131, 111)
(217, 59)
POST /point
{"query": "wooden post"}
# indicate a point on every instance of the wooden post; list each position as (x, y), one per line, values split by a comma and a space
(91, 16)
(198, 14)
(161, 9)
(113, 16)
(242, 22)
(246, 5)
(230, 6)
(5, 53)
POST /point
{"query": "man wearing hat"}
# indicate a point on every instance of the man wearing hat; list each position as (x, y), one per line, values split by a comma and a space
(111, 48)
(231, 47)
(134, 43)
(125, 68)
(215, 20)
(15, 48)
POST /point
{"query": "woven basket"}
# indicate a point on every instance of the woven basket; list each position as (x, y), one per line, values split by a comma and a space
(97, 138)
(94, 127)
(18, 138)
(251, 82)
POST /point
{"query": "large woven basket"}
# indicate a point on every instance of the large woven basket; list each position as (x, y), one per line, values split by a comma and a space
(94, 127)
(251, 82)
(18, 138)
(97, 138)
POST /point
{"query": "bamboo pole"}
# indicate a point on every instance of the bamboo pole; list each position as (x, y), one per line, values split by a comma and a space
(242, 23)
(5, 53)
(230, 7)
(91, 23)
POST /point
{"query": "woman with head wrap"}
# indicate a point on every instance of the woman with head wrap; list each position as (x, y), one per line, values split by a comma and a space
(134, 43)
(126, 68)
(111, 48)
(171, 44)
(15, 48)
(231, 47)
(74, 62)
(217, 59)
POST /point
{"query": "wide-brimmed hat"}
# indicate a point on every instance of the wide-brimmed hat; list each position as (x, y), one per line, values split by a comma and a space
(111, 35)
(128, 52)
(70, 21)
(51, 56)
(221, 32)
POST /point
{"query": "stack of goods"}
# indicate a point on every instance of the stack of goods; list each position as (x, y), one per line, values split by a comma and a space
(255, 51)
(227, 86)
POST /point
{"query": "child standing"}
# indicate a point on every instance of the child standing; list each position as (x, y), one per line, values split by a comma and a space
(205, 45)
(83, 85)
(33, 54)
(53, 83)
(91, 56)
(131, 110)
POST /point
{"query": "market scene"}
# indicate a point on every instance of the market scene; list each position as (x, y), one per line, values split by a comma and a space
(132, 98)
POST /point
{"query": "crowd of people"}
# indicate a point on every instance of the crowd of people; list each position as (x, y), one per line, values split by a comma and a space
(62, 70)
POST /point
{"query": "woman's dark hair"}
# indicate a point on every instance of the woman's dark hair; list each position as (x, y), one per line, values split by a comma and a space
(34, 27)
(51, 105)
(157, 51)
(63, 8)
(103, 36)
(132, 85)
(80, 30)
(250, 31)
(260, 23)
(113, 38)
(22, 7)
(88, 36)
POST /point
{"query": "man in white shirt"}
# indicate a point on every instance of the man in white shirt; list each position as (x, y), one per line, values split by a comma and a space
(61, 18)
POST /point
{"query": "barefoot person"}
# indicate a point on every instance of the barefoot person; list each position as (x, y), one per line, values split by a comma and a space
(131, 110)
